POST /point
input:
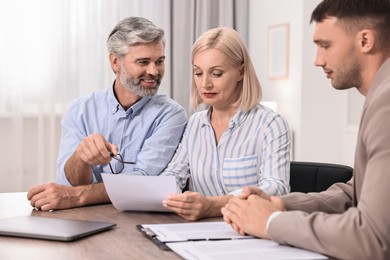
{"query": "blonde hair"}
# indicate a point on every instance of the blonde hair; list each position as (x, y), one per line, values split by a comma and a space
(228, 41)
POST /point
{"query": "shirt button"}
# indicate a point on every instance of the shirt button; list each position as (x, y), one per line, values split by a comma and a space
(115, 109)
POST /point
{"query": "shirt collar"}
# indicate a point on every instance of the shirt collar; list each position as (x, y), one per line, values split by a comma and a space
(237, 119)
(115, 106)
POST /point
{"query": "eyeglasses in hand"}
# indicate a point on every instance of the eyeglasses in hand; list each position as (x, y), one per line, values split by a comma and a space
(119, 158)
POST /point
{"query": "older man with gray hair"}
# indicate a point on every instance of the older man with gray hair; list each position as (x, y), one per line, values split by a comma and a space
(127, 128)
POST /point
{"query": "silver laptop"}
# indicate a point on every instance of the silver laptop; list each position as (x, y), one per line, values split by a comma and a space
(51, 228)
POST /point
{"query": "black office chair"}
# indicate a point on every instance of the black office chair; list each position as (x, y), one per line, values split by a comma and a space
(315, 177)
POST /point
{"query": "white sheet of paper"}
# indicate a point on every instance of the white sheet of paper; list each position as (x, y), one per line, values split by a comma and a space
(194, 231)
(240, 249)
(138, 193)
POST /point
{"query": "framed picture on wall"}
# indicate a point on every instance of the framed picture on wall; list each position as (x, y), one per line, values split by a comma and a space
(278, 51)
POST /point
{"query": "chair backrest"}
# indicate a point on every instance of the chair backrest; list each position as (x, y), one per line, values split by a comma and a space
(316, 177)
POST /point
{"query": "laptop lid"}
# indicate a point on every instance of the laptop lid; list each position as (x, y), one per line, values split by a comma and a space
(50, 228)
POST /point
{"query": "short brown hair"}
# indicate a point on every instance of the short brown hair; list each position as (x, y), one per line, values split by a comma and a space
(356, 15)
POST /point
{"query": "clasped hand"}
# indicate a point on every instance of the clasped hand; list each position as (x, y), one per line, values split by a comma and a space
(248, 213)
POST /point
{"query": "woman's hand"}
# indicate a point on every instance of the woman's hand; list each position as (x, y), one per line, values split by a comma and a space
(189, 205)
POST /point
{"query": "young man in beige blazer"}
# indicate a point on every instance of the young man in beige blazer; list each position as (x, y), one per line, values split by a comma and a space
(352, 220)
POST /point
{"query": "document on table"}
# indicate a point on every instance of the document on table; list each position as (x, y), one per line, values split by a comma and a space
(138, 193)
(217, 240)
(240, 249)
(190, 231)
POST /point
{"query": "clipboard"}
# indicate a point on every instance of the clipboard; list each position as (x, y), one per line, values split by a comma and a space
(161, 234)
(153, 237)
(189, 241)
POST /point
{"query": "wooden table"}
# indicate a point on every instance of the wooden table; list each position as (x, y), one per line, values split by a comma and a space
(122, 242)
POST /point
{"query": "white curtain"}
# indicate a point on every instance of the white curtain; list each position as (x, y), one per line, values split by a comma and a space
(52, 51)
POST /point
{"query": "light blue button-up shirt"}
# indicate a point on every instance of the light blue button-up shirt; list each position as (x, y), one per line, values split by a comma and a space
(253, 151)
(147, 133)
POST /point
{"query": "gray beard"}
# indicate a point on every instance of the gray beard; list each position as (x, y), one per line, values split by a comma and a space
(135, 86)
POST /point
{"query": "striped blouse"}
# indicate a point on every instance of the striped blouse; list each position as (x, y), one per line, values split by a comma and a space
(253, 151)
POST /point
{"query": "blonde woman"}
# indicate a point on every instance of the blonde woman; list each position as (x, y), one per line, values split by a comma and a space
(236, 142)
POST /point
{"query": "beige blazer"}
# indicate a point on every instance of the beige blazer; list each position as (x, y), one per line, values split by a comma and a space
(349, 221)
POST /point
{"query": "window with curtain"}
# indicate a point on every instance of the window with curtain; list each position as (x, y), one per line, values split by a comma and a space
(53, 51)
